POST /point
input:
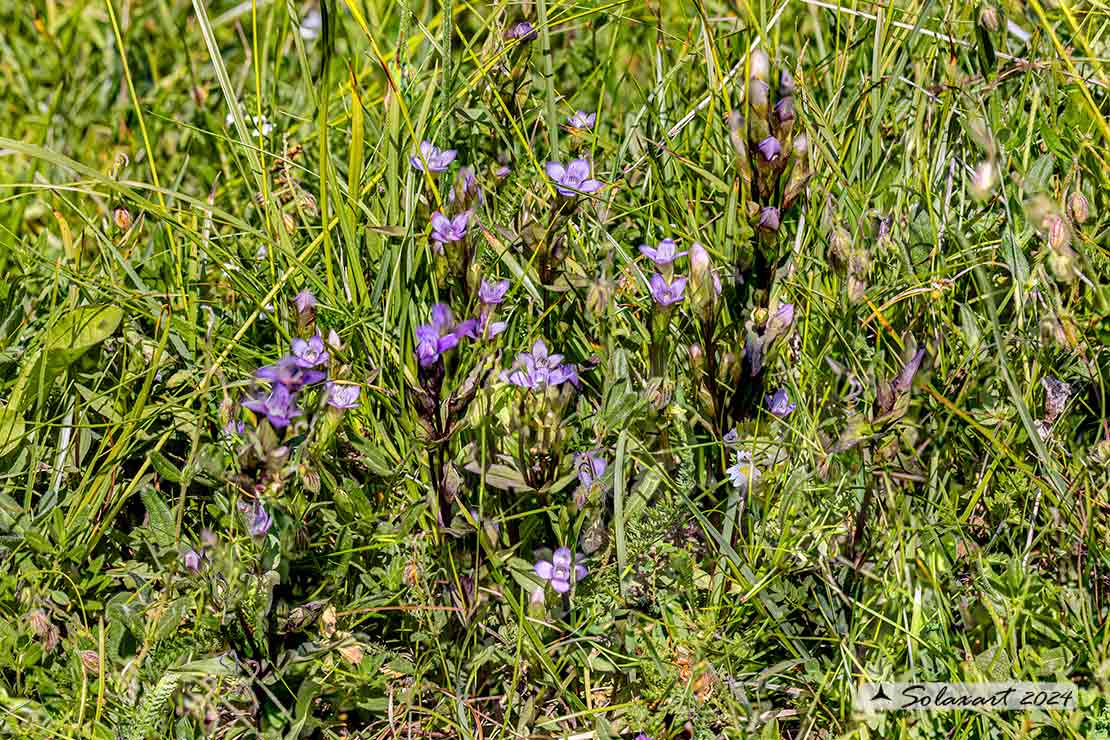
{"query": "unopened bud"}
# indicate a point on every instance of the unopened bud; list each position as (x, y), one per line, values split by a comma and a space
(536, 603)
(703, 285)
(988, 18)
(840, 248)
(697, 357)
(769, 219)
(760, 65)
(599, 296)
(759, 95)
(984, 179)
(122, 218)
(1059, 235)
(1079, 207)
(786, 83)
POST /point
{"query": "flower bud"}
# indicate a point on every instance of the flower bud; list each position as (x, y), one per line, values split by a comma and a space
(840, 248)
(786, 83)
(702, 282)
(122, 218)
(769, 219)
(536, 603)
(784, 114)
(988, 18)
(1059, 236)
(760, 65)
(599, 296)
(697, 357)
(1080, 209)
(739, 145)
(90, 659)
(770, 149)
(984, 179)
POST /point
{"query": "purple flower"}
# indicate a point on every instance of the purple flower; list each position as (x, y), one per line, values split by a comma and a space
(784, 110)
(279, 407)
(492, 293)
(291, 373)
(663, 254)
(642, 736)
(538, 369)
(310, 352)
(770, 149)
(258, 519)
(466, 187)
(572, 179)
(502, 171)
(441, 335)
(562, 567)
(489, 329)
(582, 120)
(343, 395)
(449, 229)
(780, 321)
(304, 301)
(192, 559)
(667, 294)
(436, 159)
(769, 219)
(234, 429)
(779, 403)
(524, 31)
(590, 467)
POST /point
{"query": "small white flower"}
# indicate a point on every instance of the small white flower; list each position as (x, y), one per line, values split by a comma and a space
(744, 473)
(311, 25)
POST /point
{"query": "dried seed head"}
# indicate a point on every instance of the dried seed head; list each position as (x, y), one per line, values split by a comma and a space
(1057, 394)
(90, 659)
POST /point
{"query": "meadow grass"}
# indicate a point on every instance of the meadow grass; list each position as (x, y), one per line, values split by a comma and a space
(930, 292)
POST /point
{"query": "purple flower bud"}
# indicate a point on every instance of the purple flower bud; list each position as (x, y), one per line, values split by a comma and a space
(786, 83)
(572, 179)
(760, 65)
(582, 120)
(304, 301)
(258, 519)
(449, 229)
(778, 403)
(663, 254)
(770, 149)
(192, 559)
(522, 31)
(310, 352)
(343, 395)
(904, 380)
(562, 570)
(667, 294)
(769, 219)
(431, 158)
(784, 110)
(502, 172)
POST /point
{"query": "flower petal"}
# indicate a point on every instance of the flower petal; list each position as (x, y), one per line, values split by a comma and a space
(544, 569)
(560, 585)
(555, 171)
(578, 169)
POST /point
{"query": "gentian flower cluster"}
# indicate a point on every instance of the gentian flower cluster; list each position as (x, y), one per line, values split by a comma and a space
(537, 370)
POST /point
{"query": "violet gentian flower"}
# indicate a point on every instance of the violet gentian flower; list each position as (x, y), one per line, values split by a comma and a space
(449, 229)
(310, 352)
(590, 467)
(434, 158)
(441, 335)
(784, 110)
(744, 473)
(289, 372)
(304, 301)
(769, 219)
(561, 569)
(538, 369)
(770, 149)
(642, 736)
(522, 31)
(491, 294)
(778, 403)
(582, 120)
(502, 172)
(667, 294)
(663, 254)
(234, 429)
(572, 179)
(279, 407)
(343, 395)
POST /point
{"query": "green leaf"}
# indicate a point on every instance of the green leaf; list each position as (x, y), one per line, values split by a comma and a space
(12, 429)
(161, 518)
